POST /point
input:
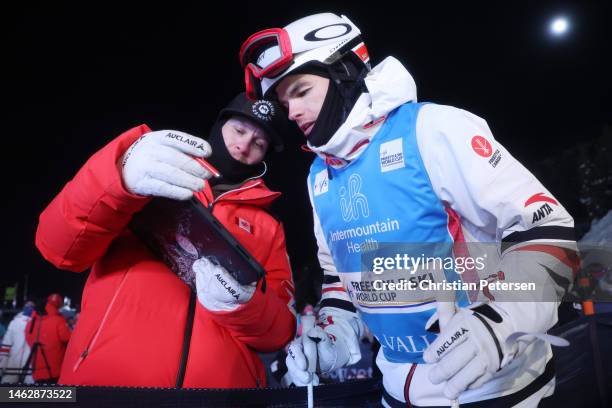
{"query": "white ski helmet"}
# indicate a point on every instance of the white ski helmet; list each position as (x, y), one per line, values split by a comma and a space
(269, 55)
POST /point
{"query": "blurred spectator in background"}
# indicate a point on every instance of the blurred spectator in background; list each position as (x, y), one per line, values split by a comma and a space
(2, 327)
(72, 320)
(14, 350)
(68, 312)
(47, 335)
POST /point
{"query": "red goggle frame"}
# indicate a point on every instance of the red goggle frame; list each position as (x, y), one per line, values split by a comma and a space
(253, 47)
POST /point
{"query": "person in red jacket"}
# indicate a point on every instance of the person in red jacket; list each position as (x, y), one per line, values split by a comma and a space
(47, 336)
(140, 325)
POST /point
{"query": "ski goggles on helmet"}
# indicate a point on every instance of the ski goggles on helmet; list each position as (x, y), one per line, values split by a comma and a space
(265, 54)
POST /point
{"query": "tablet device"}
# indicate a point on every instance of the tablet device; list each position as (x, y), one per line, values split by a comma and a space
(180, 232)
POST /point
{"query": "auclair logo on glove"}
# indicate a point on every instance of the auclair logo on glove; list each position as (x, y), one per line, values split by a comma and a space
(158, 165)
(187, 140)
(227, 287)
(452, 340)
(127, 154)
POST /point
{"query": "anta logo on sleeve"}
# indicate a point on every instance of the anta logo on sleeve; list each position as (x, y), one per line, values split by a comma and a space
(540, 197)
(545, 209)
(392, 155)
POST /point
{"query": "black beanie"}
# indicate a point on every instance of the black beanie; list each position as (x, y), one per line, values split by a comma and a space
(264, 113)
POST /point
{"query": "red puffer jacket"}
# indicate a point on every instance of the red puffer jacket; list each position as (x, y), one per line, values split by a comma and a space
(51, 332)
(135, 309)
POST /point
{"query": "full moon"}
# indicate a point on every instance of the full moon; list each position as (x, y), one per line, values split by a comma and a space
(559, 26)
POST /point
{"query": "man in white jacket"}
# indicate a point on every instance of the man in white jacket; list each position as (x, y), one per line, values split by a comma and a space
(14, 351)
(396, 182)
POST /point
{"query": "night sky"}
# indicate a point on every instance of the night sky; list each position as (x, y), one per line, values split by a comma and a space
(76, 75)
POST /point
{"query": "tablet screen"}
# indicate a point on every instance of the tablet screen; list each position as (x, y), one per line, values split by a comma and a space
(180, 232)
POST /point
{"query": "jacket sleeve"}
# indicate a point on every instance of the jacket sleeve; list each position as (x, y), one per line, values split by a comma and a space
(80, 223)
(267, 321)
(31, 327)
(7, 344)
(495, 199)
(337, 314)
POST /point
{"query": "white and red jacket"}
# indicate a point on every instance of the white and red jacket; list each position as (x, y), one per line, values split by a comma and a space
(14, 351)
(134, 309)
(401, 172)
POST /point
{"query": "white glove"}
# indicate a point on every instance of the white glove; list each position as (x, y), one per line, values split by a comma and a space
(468, 351)
(473, 346)
(159, 164)
(329, 352)
(218, 290)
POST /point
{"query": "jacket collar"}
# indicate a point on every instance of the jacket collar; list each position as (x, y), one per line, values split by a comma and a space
(252, 192)
(389, 86)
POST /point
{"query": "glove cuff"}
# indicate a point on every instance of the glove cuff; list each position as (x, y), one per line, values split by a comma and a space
(500, 329)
